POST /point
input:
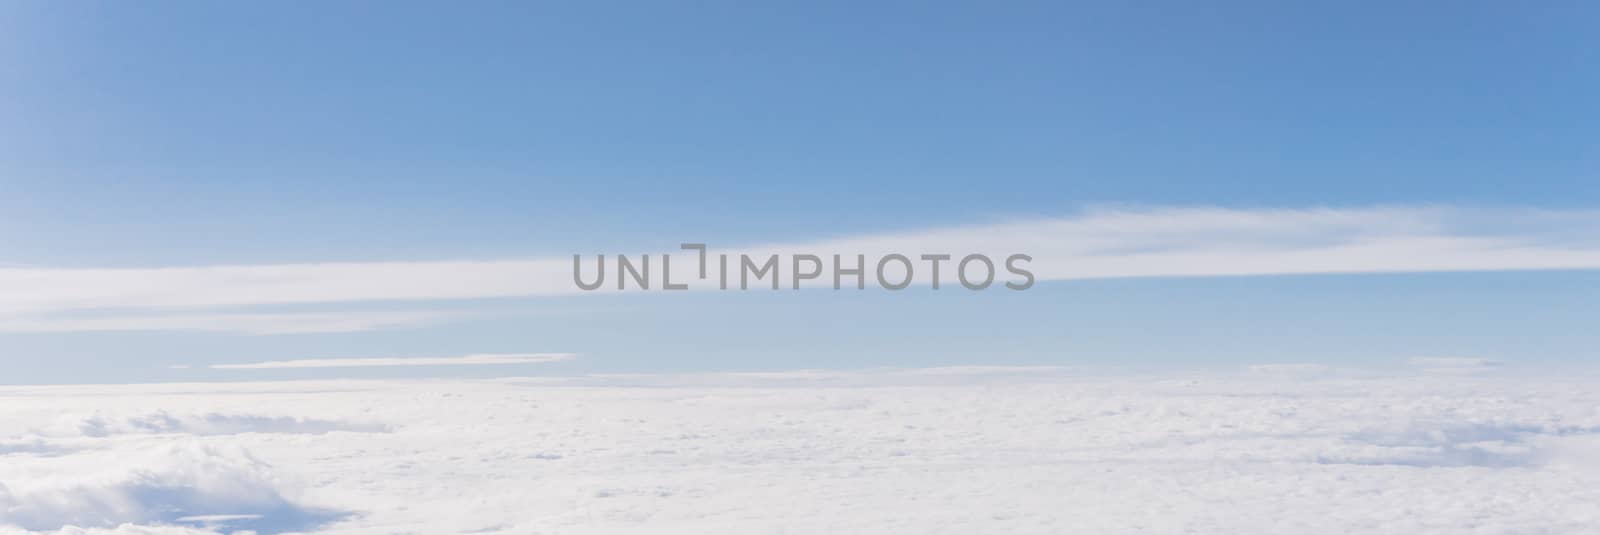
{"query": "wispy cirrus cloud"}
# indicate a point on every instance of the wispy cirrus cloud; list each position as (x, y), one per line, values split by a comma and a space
(232, 322)
(1100, 243)
(466, 360)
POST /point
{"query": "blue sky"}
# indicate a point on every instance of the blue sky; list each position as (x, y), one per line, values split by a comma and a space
(196, 134)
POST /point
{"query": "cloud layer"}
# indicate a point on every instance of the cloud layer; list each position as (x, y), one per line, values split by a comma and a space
(1102, 243)
(467, 360)
(156, 486)
(953, 450)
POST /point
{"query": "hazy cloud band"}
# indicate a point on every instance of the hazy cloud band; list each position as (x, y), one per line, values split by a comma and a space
(467, 360)
(1102, 243)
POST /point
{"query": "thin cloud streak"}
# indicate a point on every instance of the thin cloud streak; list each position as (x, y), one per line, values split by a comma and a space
(1095, 244)
(230, 322)
(37, 289)
(467, 360)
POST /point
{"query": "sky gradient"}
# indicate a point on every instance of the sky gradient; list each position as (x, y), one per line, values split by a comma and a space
(134, 138)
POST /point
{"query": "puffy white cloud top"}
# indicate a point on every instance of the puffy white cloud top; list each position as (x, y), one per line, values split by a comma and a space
(1274, 449)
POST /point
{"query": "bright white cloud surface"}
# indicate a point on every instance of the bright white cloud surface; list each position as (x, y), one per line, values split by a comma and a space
(957, 450)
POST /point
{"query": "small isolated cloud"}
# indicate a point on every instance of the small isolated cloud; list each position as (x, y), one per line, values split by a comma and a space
(467, 360)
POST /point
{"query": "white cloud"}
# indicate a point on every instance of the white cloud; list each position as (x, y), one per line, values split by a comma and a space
(109, 423)
(1454, 365)
(124, 529)
(152, 485)
(1167, 242)
(952, 450)
(467, 360)
(37, 289)
(1291, 369)
(245, 323)
(1102, 243)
